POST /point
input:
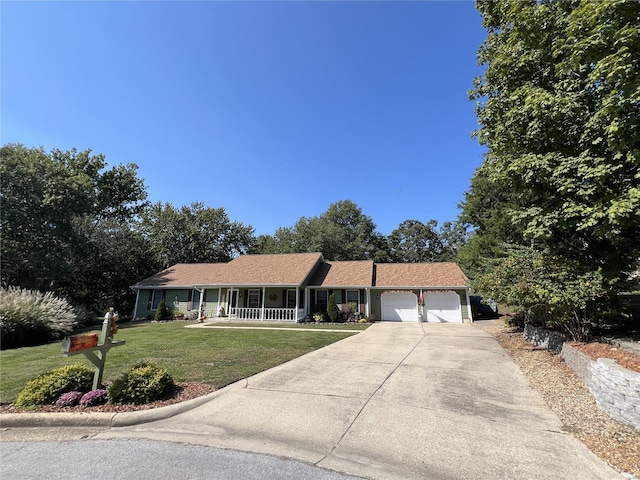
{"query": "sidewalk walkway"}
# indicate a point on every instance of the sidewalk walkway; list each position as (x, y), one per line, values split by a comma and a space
(397, 401)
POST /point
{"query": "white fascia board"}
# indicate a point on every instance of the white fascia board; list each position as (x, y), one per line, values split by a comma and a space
(414, 287)
(161, 287)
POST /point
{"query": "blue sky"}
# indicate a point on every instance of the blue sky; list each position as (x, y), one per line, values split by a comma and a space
(272, 110)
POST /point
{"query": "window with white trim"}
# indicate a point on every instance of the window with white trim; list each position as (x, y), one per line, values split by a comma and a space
(154, 298)
(353, 296)
(322, 299)
(291, 299)
(254, 299)
(194, 303)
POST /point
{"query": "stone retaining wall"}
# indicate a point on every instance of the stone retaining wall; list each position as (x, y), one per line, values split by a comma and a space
(615, 388)
(544, 338)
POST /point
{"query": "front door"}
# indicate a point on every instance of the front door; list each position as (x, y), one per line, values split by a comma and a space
(233, 303)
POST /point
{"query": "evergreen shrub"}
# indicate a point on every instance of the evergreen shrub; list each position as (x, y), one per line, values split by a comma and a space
(162, 312)
(332, 309)
(46, 388)
(144, 383)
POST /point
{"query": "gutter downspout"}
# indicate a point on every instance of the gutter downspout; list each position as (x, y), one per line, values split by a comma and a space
(135, 307)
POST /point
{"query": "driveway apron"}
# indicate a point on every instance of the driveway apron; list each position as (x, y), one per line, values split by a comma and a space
(397, 401)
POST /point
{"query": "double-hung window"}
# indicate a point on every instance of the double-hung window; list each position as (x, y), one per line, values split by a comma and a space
(194, 303)
(154, 298)
(322, 299)
(291, 299)
(353, 296)
(254, 299)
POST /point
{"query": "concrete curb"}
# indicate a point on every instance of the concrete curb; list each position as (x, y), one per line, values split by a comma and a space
(99, 419)
(123, 419)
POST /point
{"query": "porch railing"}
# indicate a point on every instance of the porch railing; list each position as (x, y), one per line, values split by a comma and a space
(270, 314)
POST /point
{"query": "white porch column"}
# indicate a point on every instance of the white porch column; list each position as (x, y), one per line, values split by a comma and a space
(264, 294)
(219, 300)
(466, 292)
(295, 315)
(201, 300)
(368, 307)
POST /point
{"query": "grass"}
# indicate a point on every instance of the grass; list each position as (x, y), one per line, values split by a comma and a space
(215, 356)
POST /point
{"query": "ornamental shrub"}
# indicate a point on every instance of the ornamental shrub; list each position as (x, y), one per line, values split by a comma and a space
(69, 399)
(144, 383)
(29, 317)
(162, 312)
(332, 308)
(45, 389)
(94, 397)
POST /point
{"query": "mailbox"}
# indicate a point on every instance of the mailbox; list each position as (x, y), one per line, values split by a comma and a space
(77, 343)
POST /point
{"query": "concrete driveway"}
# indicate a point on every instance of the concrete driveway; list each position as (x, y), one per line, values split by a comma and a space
(397, 401)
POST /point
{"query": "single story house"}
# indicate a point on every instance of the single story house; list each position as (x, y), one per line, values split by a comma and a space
(291, 287)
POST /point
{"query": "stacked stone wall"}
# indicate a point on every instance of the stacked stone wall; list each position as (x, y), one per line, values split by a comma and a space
(615, 388)
(541, 337)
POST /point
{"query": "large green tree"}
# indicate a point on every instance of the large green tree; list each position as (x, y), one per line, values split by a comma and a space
(343, 232)
(559, 112)
(414, 241)
(194, 234)
(55, 206)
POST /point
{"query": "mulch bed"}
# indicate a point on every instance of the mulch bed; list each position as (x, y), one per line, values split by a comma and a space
(567, 396)
(597, 350)
(183, 391)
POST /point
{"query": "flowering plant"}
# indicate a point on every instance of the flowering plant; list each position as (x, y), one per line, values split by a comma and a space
(94, 397)
(69, 399)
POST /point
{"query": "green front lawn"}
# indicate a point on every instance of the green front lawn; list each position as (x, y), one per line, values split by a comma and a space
(208, 355)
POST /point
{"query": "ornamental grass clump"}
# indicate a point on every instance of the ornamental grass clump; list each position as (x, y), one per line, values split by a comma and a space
(45, 389)
(94, 397)
(69, 399)
(29, 317)
(144, 383)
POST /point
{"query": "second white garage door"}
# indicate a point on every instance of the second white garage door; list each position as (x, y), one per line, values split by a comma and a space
(443, 307)
(399, 307)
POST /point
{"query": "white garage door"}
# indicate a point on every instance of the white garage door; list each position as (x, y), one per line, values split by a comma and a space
(399, 307)
(443, 307)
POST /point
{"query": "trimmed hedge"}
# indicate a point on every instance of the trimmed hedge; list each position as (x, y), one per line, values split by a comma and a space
(144, 383)
(46, 388)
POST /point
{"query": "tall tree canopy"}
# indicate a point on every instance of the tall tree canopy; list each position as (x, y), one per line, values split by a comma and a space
(53, 208)
(414, 241)
(343, 232)
(194, 234)
(559, 111)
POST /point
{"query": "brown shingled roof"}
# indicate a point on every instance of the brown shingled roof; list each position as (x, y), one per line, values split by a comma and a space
(443, 274)
(274, 269)
(280, 269)
(357, 273)
(295, 268)
(186, 275)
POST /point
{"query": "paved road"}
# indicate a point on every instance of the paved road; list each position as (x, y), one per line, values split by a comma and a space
(146, 460)
(397, 401)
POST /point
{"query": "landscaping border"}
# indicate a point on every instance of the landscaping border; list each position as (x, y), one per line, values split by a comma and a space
(616, 389)
(542, 337)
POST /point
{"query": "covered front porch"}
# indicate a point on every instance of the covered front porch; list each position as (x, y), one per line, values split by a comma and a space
(254, 304)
